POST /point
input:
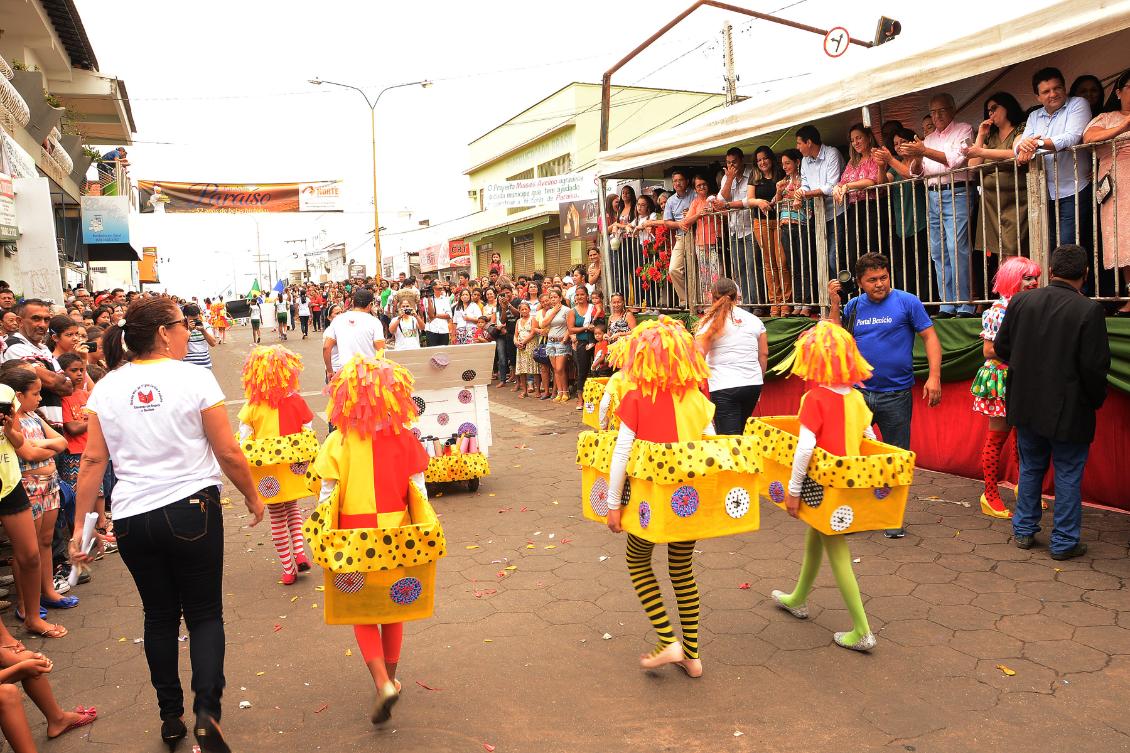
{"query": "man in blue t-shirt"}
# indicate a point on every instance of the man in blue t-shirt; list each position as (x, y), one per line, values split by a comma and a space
(884, 322)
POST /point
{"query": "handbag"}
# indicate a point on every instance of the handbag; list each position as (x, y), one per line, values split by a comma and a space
(540, 355)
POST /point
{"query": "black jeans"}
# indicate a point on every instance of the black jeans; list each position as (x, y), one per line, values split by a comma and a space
(582, 358)
(505, 355)
(176, 557)
(305, 322)
(436, 339)
(733, 407)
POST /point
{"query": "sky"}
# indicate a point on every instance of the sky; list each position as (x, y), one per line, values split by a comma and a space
(220, 93)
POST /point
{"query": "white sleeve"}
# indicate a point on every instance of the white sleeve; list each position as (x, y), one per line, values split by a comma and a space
(308, 426)
(418, 480)
(328, 486)
(618, 471)
(869, 433)
(245, 432)
(605, 401)
(803, 455)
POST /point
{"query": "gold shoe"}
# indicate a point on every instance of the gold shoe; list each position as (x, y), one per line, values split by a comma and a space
(387, 697)
(991, 511)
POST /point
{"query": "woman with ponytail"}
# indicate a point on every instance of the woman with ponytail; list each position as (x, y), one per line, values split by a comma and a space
(735, 346)
(162, 421)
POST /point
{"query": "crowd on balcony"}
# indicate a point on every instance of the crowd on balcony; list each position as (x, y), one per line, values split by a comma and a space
(947, 204)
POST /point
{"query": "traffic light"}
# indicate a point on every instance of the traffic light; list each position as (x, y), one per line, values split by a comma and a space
(887, 30)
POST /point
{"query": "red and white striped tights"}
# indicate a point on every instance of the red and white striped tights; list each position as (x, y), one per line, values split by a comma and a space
(286, 533)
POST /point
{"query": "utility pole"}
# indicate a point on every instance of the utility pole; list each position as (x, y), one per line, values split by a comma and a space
(728, 60)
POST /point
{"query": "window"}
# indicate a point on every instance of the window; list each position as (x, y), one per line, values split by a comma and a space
(557, 166)
(524, 175)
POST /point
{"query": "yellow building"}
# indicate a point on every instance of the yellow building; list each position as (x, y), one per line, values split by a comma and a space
(558, 135)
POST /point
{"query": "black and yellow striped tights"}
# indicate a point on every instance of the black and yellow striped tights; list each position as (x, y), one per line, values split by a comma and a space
(680, 568)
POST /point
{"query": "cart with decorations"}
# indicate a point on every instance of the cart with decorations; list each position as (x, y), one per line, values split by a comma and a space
(840, 494)
(451, 394)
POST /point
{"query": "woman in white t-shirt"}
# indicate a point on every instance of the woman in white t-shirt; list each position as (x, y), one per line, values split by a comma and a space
(736, 348)
(163, 423)
(304, 313)
(466, 314)
(405, 328)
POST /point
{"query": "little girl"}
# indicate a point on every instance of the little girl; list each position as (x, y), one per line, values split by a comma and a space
(41, 482)
(663, 404)
(277, 436)
(524, 336)
(835, 418)
(370, 462)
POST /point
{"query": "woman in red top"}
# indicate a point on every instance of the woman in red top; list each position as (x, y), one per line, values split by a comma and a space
(316, 302)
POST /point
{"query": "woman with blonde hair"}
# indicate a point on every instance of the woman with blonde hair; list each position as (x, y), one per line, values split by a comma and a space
(736, 348)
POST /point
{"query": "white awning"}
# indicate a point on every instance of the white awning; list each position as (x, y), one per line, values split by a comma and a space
(970, 68)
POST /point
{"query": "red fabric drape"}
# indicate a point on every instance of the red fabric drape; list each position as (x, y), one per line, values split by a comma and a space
(948, 438)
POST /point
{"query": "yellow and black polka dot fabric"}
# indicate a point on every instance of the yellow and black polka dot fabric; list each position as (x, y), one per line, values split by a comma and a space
(681, 491)
(462, 467)
(866, 492)
(279, 465)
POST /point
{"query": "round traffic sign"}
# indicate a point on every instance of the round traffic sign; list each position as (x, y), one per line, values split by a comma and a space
(836, 41)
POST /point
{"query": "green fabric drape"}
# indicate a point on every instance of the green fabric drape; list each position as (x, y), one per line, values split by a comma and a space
(961, 347)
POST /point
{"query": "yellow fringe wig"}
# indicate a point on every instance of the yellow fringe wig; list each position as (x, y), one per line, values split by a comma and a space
(661, 357)
(827, 354)
(370, 395)
(617, 351)
(270, 373)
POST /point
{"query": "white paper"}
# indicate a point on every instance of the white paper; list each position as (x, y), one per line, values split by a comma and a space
(87, 538)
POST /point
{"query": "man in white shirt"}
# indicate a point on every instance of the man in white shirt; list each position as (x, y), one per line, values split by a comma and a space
(437, 310)
(26, 344)
(355, 331)
(733, 194)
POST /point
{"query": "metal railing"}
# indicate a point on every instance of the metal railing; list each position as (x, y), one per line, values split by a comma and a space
(945, 236)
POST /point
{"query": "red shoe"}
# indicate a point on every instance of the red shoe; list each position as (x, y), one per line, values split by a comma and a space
(288, 579)
(303, 564)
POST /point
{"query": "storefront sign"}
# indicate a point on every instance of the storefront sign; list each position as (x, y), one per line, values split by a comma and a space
(540, 191)
(9, 230)
(579, 219)
(458, 254)
(105, 219)
(239, 198)
(445, 256)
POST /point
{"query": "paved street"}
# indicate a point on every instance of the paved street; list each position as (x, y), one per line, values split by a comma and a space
(516, 657)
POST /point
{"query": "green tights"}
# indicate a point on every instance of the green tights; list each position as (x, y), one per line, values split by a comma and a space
(815, 544)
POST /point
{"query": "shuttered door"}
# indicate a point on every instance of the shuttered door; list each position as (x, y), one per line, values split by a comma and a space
(558, 253)
(483, 252)
(522, 254)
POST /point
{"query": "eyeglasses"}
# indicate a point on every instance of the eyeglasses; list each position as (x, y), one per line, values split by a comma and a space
(993, 108)
(178, 321)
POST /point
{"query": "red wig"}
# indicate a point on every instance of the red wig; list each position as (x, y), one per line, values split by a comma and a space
(1009, 279)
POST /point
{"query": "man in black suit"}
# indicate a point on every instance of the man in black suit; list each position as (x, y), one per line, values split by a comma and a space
(1055, 342)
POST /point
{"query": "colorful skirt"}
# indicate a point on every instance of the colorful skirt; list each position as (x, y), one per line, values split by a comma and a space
(988, 389)
(464, 335)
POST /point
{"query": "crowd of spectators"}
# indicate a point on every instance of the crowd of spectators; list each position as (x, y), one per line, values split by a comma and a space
(926, 199)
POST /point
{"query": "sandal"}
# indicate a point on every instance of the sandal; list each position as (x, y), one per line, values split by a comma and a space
(55, 631)
(16, 648)
(88, 716)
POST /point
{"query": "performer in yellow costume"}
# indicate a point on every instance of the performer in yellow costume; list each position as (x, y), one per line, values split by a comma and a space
(372, 471)
(277, 436)
(662, 404)
(834, 417)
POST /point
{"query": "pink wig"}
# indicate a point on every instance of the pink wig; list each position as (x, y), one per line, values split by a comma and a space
(1010, 277)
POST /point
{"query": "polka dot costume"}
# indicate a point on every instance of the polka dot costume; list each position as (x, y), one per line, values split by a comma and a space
(645, 514)
(777, 492)
(811, 493)
(420, 404)
(299, 469)
(469, 375)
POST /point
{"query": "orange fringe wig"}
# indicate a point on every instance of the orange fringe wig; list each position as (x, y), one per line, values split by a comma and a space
(371, 395)
(827, 354)
(270, 373)
(661, 357)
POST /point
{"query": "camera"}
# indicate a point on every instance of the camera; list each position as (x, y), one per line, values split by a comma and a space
(406, 311)
(197, 323)
(5, 409)
(91, 345)
(848, 288)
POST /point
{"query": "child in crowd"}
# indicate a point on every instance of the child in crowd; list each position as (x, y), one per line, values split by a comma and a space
(525, 368)
(367, 468)
(41, 482)
(600, 366)
(277, 435)
(482, 330)
(835, 418)
(19, 665)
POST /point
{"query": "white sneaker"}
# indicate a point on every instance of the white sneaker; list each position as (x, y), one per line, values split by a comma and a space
(62, 585)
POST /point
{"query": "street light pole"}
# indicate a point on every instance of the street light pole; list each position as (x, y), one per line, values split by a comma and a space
(373, 132)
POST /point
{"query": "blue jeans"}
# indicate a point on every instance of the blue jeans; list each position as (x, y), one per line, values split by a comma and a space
(1069, 458)
(1074, 228)
(891, 412)
(948, 223)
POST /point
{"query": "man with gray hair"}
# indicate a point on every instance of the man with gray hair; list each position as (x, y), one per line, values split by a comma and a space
(948, 201)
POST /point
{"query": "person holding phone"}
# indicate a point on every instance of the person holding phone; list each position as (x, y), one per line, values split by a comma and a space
(166, 505)
(405, 329)
(200, 338)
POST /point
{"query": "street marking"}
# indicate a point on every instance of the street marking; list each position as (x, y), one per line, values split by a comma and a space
(519, 416)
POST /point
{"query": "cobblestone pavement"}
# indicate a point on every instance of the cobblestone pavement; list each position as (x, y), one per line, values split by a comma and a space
(517, 657)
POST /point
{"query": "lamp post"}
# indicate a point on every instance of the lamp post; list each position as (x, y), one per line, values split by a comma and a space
(373, 131)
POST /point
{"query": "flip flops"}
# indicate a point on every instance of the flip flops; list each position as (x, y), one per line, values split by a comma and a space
(55, 631)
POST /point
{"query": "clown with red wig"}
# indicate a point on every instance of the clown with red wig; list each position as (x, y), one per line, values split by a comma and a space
(277, 436)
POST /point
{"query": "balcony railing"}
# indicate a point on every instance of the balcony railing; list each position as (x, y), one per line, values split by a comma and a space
(14, 112)
(945, 236)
